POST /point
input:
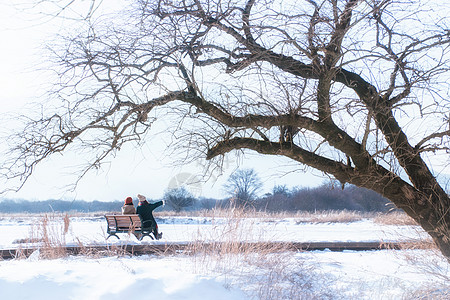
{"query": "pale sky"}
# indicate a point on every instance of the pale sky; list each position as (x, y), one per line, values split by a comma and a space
(133, 171)
(145, 170)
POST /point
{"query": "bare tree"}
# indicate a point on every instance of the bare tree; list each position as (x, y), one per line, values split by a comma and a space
(243, 186)
(179, 198)
(356, 89)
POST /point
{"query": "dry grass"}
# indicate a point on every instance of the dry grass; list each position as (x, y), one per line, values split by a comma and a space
(263, 270)
(430, 262)
(343, 216)
(394, 218)
(51, 231)
(267, 271)
(437, 293)
(48, 234)
(434, 265)
(329, 216)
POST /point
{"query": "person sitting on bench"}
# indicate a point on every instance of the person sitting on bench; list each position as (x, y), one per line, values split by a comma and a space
(128, 207)
(145, 212)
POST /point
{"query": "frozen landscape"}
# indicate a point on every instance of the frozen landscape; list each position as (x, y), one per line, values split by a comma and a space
(384, 274)
(106, 98)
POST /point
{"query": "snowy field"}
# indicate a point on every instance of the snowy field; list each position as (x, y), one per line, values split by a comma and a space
(387, 274)
(92, 230)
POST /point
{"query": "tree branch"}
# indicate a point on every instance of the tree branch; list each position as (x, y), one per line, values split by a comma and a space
(430, 137)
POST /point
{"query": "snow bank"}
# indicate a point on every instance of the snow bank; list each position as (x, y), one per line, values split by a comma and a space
(307, 275)
(108, 278)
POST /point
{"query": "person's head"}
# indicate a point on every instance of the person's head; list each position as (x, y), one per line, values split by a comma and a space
(129, 201)
(142, 199)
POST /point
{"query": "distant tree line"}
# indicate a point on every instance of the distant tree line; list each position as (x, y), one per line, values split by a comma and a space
(320, 198)
(48, 206)
(325, 197)
(244, 184)
(242, 187)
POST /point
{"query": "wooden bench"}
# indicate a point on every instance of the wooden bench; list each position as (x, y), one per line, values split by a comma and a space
(126, 224)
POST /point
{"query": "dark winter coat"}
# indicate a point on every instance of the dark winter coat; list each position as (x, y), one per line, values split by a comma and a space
(145, 212)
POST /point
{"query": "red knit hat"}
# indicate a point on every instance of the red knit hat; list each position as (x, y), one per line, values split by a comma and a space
(129, 200)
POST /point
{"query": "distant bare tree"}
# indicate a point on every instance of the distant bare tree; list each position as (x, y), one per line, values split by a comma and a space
(280, 190)
(356, 89)
(243, 186)
(179, 198)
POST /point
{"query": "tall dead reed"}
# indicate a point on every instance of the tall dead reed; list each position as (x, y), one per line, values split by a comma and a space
(326, 216)
(234, 251)
(394, 218)
(50, 232)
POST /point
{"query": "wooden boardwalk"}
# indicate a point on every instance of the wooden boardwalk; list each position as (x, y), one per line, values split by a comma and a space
(188, 248)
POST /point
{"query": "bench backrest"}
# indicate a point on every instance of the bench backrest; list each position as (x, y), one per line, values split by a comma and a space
(123, 222)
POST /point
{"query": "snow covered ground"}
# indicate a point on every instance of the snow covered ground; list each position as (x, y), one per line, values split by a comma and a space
(387, 274)
(92, 230)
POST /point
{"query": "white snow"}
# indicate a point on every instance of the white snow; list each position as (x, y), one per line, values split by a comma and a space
(186, 229)
(108, 278)
(387, 274)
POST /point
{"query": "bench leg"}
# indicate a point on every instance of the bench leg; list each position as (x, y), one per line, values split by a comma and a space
(145, 233)
(113, 234)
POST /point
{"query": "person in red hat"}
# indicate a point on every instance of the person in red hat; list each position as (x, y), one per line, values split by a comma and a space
(128, 207)
(145, 212)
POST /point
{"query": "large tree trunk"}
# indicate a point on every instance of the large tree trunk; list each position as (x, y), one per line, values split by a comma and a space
(429, 209)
